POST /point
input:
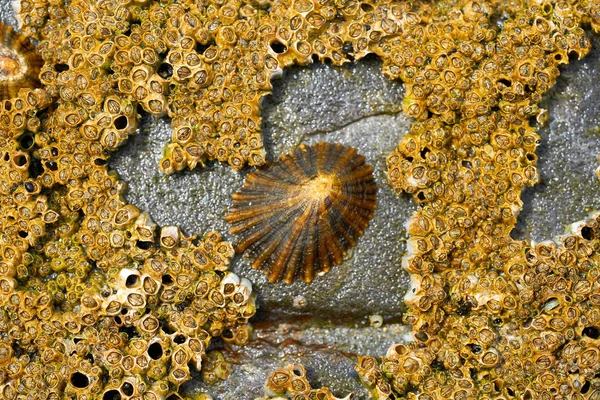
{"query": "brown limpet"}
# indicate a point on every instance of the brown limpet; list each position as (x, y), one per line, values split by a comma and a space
(299, 216)
(19, 63)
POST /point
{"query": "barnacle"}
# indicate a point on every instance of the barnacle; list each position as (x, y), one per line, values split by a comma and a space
(291, 383)
(493, 317)
(298, 216)
(215, 367)
(19, 63)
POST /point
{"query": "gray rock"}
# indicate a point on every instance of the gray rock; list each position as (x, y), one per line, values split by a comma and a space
(356, 106)
(7, 14)
(567, 155)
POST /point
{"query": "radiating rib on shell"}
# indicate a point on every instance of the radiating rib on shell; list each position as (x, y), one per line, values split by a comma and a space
(19, 63)
(300, 215)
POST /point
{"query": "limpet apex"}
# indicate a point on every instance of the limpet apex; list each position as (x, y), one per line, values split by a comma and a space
(19, 63)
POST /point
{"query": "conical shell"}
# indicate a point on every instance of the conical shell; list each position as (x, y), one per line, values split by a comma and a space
(300, 215)
(19, 63)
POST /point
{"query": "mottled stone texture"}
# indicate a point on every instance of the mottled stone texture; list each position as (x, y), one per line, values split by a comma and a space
(7, 14)
(568, 154)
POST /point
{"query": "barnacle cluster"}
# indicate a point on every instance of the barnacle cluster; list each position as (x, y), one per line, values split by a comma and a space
(291, 382)
(95, 300)
(127, 320)
(299, 216)
(98, 302)
(493, 317)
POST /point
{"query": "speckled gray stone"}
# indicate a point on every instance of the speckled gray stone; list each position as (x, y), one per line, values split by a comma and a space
(567, 155)
(7, 14)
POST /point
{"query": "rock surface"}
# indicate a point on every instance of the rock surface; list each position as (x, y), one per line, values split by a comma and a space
(567, 155)
(360, 108)
(356, 106)
(326, 323)
(7, 14)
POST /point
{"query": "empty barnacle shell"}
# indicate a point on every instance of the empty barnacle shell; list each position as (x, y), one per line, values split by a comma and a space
(300, 215)
(169, 236)
(19, 63)
(229, 283)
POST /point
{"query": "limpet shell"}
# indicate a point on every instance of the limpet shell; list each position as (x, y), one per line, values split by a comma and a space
(299, 216)
(19, 63)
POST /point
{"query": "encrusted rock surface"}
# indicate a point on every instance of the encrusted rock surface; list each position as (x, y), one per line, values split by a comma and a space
(360, 107)
(62, 148)
(327, 321)
(568, 154)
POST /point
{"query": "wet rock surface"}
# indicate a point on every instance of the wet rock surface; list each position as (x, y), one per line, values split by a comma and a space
(328, 352)
(356, 106)
(567, 155)
(325, 324)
